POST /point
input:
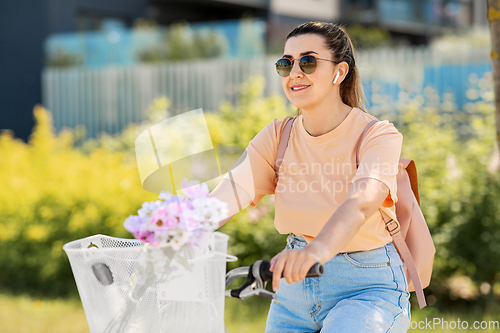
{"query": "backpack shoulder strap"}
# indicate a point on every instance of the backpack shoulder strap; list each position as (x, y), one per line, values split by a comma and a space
(283, 143)
(411, 169)
(399, 242)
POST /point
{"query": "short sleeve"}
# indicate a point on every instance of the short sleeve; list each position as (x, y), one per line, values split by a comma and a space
(254, 171)
(379, 157)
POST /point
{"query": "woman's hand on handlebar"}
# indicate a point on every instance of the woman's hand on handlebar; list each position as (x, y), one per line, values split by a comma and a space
(293, 264)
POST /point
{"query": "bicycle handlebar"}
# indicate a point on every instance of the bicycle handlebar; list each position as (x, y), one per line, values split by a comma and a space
(316, 271)
(257, 276)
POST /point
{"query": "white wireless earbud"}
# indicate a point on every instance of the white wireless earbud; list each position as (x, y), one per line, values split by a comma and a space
(336, 77)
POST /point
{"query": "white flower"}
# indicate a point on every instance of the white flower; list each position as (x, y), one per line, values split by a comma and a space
(179, 240)
(149, 207)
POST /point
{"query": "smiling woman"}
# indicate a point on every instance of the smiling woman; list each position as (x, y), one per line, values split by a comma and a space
(330, 43)
(331, 217)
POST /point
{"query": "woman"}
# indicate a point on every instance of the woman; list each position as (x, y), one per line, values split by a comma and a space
(327, 205)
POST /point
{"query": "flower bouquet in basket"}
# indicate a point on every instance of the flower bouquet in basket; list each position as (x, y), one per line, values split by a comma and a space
(173, 230)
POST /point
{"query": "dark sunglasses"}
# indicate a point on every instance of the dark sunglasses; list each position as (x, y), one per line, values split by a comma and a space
(307, 65)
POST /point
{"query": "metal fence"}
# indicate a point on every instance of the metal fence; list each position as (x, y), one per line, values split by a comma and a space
(107, 99)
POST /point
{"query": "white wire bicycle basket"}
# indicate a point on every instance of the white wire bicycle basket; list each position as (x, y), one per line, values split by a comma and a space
(125, 288)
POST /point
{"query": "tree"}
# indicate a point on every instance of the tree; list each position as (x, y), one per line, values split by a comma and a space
(494, 19)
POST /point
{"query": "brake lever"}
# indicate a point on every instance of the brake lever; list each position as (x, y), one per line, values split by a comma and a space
(260, 284)
(257, 276)
(253, 286)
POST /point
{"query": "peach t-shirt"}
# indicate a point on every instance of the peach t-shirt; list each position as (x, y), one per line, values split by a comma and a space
(317, 172)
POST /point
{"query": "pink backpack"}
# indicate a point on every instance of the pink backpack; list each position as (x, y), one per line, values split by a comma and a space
(410, 234)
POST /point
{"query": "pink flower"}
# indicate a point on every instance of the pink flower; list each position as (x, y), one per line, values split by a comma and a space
(160, 218)
(149, 237)
(179, 212)
(191, 222)
(193, 189)
(146, 236)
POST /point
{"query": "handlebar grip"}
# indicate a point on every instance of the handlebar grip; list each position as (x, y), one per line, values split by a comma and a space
(316, 270)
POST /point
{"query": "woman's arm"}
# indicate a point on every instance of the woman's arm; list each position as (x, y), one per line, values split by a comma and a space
(235, 196)
(365, 196)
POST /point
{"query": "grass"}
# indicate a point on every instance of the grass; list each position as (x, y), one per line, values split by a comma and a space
(23, 314)
(246, 316)
(20, 314)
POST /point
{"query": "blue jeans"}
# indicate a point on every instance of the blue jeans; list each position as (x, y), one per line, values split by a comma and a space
(363, 291)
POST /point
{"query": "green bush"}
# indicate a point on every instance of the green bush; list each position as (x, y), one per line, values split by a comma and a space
(52, 194)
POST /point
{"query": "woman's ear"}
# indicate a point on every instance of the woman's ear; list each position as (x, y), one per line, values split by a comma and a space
(342, 70)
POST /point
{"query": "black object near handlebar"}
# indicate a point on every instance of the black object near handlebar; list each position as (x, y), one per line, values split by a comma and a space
(257, 276)
(316, 270)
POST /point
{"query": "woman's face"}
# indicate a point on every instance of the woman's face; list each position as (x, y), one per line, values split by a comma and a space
(306, 91)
